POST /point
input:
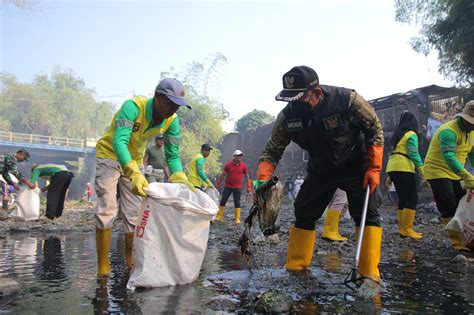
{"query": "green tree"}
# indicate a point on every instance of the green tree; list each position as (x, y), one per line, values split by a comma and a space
(254, 119)
(202, 124)
(58, 105)
(446, 26)
(26, 5)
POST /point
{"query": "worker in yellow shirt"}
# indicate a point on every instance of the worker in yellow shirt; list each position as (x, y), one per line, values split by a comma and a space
(120, 151)
(196, 175)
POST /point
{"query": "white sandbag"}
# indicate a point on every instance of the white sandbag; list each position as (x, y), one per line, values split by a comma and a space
(171, 236)
(463, 220)
(27, 204)
(214, 194)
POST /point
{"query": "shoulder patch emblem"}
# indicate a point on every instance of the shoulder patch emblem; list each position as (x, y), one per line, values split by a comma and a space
(136, 127)
(332, 122)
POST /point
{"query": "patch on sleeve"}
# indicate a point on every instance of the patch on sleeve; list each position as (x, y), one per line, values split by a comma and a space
(332, 122)
(123, 123)
(294, 125)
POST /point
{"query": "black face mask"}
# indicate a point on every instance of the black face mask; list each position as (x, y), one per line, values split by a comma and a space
(298, 108)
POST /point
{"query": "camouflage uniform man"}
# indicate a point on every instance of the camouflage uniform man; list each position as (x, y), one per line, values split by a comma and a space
(344, 139)
(8, 167)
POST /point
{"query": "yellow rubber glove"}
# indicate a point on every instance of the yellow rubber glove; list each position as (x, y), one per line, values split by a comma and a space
(180, 177)
(137, 180)
(209, 184)
(467, 178)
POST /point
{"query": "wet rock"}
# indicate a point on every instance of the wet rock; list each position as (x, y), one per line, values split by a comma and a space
(223, 303)
(460, 259)
(435, 221)
(3, 214)
(274, 239)
(344, 247)
(274, 301)
(9, 286)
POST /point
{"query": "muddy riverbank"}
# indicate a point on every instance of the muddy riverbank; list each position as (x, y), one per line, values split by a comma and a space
(420, 276)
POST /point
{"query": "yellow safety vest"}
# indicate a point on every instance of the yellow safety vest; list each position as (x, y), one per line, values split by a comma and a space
(435, 165)
(193, 176)
(401, 162)
(139, 136)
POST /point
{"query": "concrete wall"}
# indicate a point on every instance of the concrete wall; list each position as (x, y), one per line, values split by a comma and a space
(252, 143)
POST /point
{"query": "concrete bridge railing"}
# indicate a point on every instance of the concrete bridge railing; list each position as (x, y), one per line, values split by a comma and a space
(46, 140)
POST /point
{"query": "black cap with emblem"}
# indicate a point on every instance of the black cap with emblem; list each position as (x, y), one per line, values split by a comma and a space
(296, 82)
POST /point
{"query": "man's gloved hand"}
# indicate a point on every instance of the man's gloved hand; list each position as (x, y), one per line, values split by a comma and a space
(265, 171)
(181, 178)
(467, 178)
(248, 188)
(372, 174)
(258, 183)
(137, 180)
(209, 184)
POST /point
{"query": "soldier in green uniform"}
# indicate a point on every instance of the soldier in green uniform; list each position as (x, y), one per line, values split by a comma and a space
(8, 167)
(344, 139)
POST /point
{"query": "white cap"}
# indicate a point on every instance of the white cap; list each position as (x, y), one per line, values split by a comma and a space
(238, 152)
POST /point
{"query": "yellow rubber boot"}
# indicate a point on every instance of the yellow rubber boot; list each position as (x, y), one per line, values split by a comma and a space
(369, 258)
(220, 214)
(401, 226)
(128, 249)
(408, 219)
(455, 237)
(300, 249)
(331, 226)
(102, 243)
(237, 215)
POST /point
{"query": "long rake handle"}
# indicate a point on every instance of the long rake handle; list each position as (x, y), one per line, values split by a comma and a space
(361, 227)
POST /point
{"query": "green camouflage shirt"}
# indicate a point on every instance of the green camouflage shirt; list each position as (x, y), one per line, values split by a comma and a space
(8, 166)
(362, 115)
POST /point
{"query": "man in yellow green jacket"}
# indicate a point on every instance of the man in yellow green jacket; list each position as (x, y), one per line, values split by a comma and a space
(120, 151)
(444, 166)
(196, 173)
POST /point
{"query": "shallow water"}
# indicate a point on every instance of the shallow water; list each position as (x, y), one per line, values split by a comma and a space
(58, 274)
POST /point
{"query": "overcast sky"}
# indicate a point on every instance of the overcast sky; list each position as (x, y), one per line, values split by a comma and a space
(120, 47)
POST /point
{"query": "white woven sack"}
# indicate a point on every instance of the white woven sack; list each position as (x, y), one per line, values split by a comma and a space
(463, 220)
(214, 194)
(171, 236)
(27, 204)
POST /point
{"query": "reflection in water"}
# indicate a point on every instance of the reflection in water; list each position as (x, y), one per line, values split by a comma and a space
(110, 292)
(182, 298)
(53, 266)
(332, 261)
(63, 271)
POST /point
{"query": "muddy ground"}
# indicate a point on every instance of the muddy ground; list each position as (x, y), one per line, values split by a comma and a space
(418, 275)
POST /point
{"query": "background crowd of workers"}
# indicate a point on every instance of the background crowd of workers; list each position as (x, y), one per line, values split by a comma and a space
(57, 178)
(336, 126)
